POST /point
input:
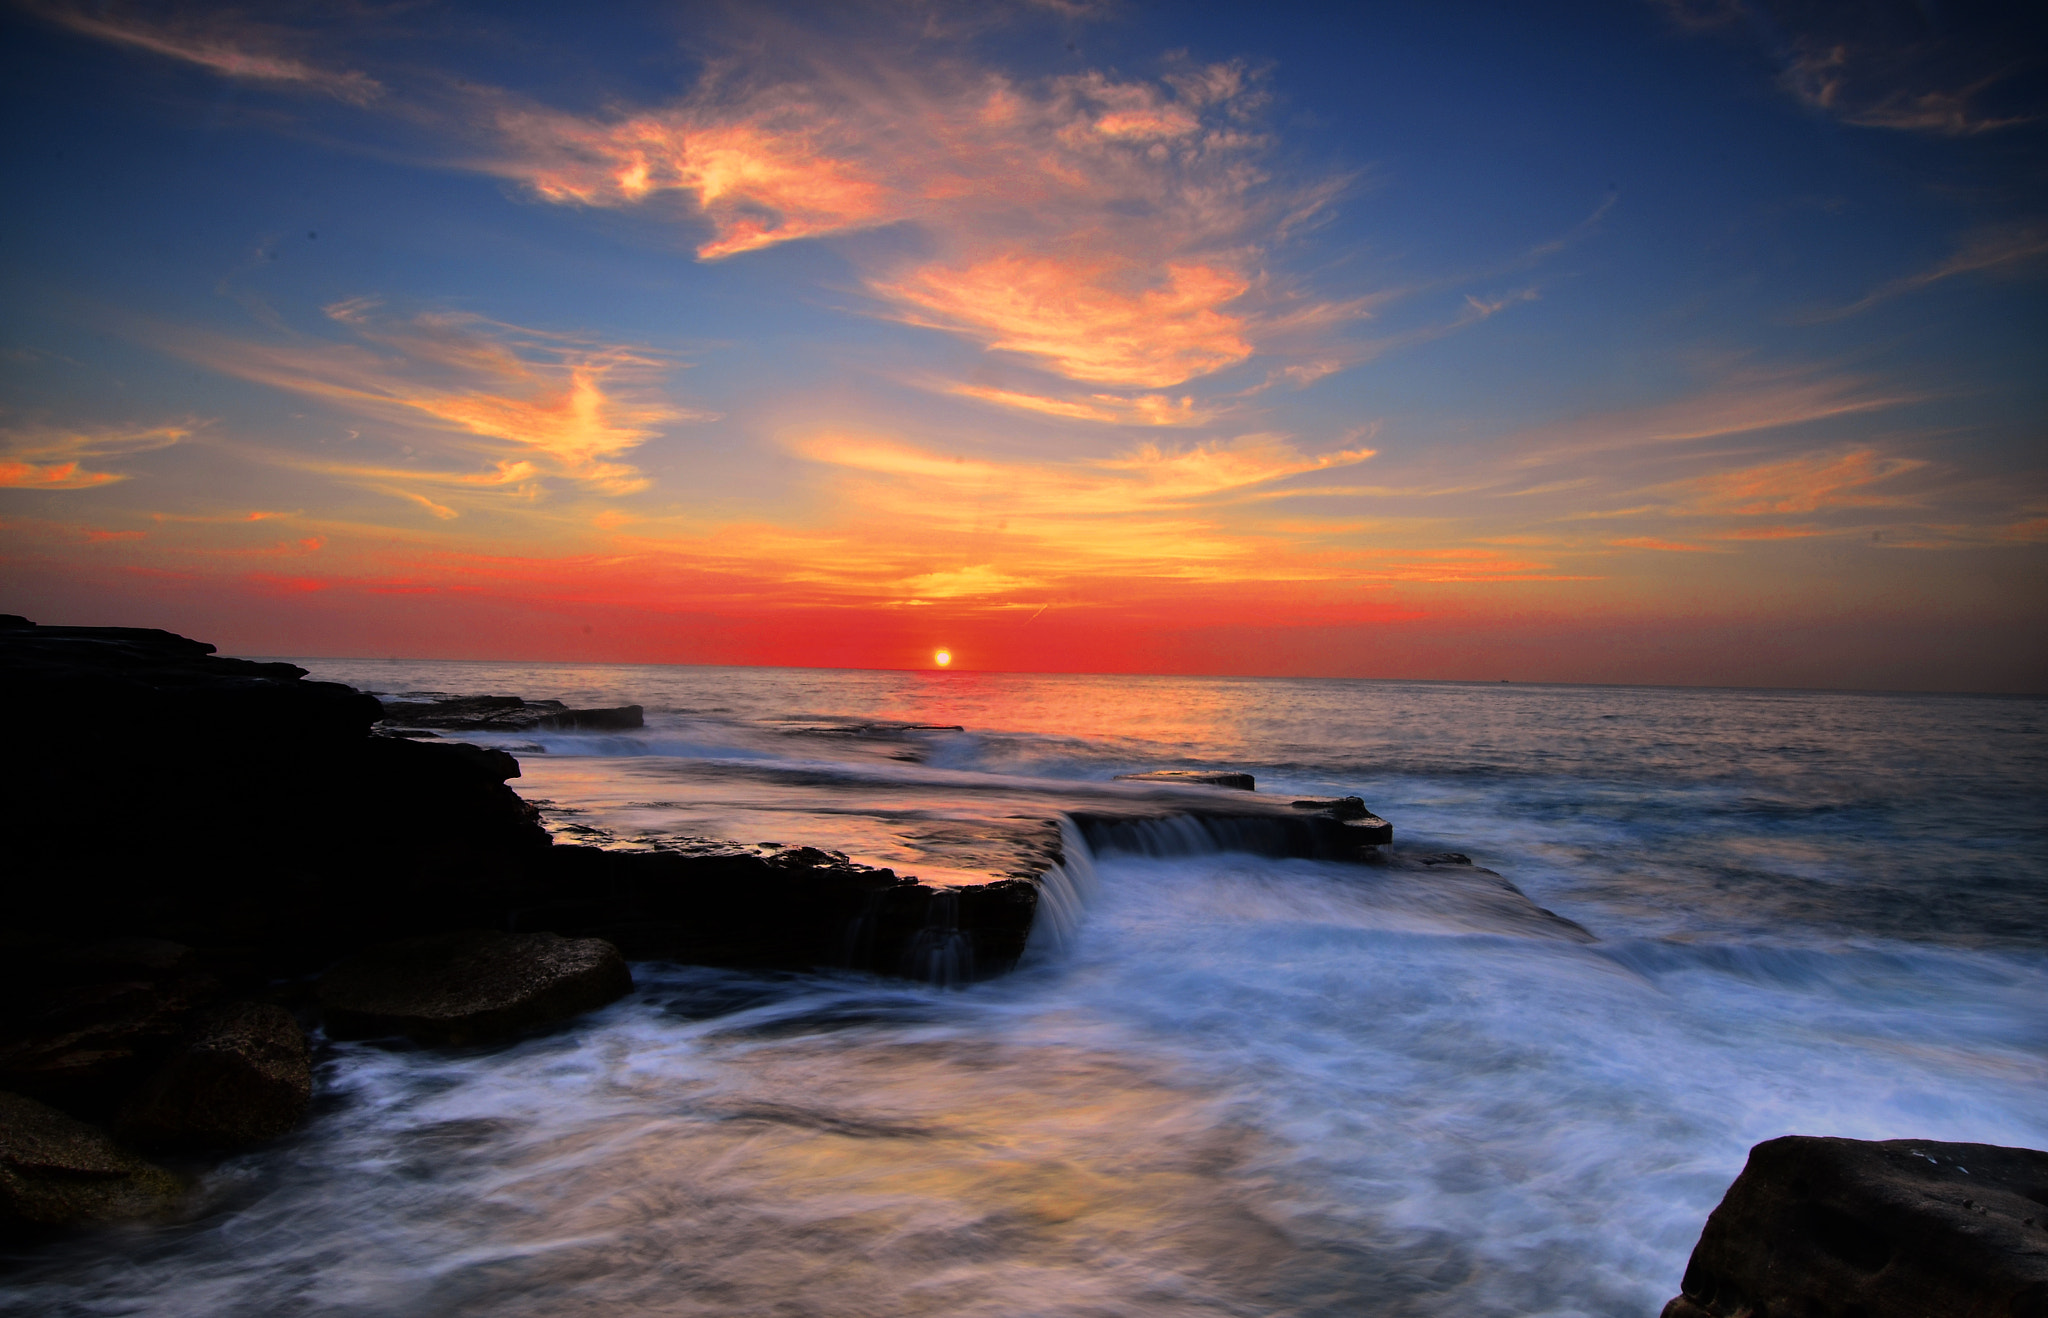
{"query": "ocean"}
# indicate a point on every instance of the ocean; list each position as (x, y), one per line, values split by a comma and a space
(1220, 1083)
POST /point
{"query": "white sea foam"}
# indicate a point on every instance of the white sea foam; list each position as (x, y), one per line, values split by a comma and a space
(1222, 1084)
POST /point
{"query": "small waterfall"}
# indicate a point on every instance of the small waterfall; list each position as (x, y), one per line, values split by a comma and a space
(1191, 833)
(940, 953)
(1063, 891)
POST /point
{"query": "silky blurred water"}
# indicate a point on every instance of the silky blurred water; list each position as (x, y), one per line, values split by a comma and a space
(1243, 1085)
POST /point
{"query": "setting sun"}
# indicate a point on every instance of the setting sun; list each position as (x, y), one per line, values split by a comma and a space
(942, 657)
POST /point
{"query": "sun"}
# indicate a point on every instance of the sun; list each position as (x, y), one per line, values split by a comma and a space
(942, 657)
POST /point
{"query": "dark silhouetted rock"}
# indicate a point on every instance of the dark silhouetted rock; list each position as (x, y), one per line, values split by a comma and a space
(83, 1026)
(1193, 777)
(231, 804)
(243, 1075)
(504, 714)
(57, 1171)
(795, 909)
(471, 713)
(1830, 1228)
(470, 987)
(596, 720)
(1365, 827)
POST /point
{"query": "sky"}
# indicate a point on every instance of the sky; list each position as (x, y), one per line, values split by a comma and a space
(1696, 342)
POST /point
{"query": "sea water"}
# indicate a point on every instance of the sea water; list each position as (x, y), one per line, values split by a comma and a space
(1229, 1085)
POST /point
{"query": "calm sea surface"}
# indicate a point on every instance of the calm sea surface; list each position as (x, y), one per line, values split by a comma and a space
(1237, 1085)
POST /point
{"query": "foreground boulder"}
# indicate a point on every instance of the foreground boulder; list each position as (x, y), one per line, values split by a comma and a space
(1816, 1228)
(244, 1075)
(470, 987)
(57, 1171)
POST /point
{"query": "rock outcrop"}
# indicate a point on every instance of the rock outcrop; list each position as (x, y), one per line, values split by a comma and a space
(158, 791)
(471, 987)
(189, 833)
(800, 908)
(242, 1075)
(506, 714)
(1830, 1228)
(57, 1171)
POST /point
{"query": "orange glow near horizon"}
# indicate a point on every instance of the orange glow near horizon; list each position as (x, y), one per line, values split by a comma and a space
(868, 334)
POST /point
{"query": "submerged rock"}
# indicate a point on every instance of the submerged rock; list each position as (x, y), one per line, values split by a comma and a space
(57, 1171)
(597, 720)
(243, 1075)
(1821, 1228)
(470, 987)
(1196, 777)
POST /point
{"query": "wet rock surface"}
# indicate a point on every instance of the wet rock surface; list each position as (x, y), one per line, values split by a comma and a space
(243, 1074)
(1242, 782)
(796, 908)
(57, 1171)
(470, 987)
(1820, 1227)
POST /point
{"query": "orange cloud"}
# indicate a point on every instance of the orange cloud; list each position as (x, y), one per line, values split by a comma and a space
(51, 476)
(1082, 318)
(1111, 231)
(1117, 409)
(1667, 546)
(51, 459)
(1800, 485)
(757, 183)
(564, 406)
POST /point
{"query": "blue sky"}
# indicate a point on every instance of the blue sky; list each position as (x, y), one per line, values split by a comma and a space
(1625, 342)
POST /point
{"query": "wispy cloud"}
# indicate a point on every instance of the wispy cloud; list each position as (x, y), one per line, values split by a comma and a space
(1908, 68)
(1808, 483)
(532, 403)
(55, 459)
(2010, 248)
(1747, 402)
(223, 42)
(1117, 409)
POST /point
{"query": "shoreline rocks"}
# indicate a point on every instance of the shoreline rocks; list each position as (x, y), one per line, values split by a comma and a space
(476, 986)
(56, 1171)
(1241, 782)
(244, 1075)
(193, 835)
(504, 714)
(1839, 1228)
